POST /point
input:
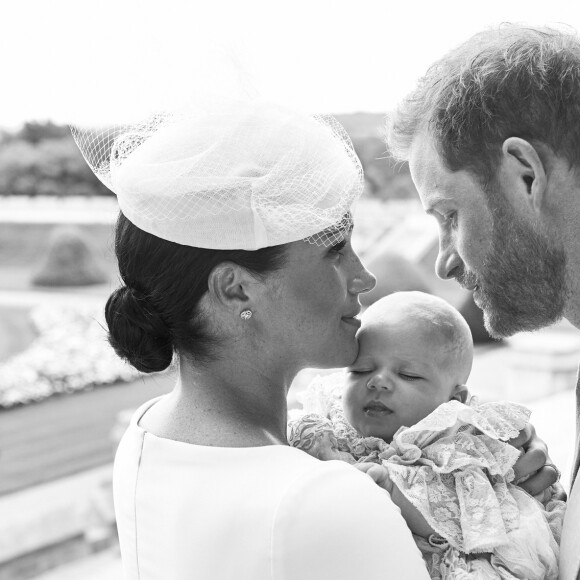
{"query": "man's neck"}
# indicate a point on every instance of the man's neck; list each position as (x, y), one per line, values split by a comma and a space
(567, 220)
(572, 310)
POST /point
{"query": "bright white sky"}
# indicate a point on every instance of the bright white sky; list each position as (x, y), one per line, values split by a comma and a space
(101, 60)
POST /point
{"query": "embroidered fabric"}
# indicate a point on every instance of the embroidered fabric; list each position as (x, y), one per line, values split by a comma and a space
(322, 408)
(456, 467)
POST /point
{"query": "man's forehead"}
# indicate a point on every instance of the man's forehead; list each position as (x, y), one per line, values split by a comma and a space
(434, 182)
(425, 163)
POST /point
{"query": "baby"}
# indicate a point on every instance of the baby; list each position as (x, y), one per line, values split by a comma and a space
(446, 464)
(415, 353)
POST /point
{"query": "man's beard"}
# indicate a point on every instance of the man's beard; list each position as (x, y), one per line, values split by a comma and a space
(522, 285)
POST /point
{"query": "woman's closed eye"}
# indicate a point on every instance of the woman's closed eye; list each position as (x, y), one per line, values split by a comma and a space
(336, 249)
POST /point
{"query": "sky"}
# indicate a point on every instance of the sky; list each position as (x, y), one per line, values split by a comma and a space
(103, 61)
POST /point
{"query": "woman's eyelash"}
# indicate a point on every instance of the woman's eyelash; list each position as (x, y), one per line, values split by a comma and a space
(339, 246)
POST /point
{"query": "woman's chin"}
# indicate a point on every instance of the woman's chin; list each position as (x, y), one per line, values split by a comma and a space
(339, 359)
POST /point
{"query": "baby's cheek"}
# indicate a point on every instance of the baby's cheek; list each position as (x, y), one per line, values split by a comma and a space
(348, 405)
(421, 411)
(348, 411)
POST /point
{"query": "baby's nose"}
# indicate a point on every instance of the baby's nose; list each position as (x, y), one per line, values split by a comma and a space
(378, 382)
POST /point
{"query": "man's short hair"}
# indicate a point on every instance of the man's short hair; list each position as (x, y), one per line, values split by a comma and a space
(513, 81)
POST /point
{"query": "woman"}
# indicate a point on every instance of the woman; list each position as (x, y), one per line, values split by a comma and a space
(234, 249)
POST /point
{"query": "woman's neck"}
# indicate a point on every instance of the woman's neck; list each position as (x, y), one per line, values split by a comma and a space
(226, 404)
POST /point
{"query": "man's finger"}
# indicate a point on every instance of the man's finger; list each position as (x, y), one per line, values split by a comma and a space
(527, 439)
(541, 480)
(559, 492)
(532, 460)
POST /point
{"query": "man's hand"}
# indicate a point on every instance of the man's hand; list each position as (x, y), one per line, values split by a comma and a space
(534, 465)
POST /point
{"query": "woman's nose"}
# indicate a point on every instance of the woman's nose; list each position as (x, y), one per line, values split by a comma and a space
(362, 280)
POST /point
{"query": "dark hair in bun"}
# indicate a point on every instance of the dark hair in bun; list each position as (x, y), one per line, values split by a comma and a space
(155, 313)
(137, 332)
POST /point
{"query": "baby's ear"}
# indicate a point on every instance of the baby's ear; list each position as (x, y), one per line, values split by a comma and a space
(460, 393)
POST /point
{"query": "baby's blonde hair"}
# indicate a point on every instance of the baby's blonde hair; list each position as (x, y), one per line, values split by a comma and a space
(435, 312)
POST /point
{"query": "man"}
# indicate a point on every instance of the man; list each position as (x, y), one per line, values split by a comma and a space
(492, 137)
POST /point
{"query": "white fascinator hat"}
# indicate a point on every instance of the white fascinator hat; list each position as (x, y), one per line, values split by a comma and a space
(244, 176)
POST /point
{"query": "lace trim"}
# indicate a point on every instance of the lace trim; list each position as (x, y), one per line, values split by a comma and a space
(456, 467)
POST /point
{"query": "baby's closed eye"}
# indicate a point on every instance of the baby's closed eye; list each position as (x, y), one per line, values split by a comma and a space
(410, 377)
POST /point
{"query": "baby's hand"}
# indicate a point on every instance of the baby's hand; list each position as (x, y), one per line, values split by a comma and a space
(415, 521)
(379, 474)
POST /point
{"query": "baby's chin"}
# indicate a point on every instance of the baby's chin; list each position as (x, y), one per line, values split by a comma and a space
(369, 431)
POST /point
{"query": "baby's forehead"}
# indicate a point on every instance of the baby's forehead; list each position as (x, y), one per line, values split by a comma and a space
(418, 314)
(413, 315)
(416, 330)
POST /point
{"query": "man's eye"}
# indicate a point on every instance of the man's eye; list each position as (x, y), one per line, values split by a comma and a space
(451, 218)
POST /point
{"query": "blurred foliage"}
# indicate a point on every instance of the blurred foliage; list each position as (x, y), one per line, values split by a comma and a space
(35, 132)
(384, 178)
(42, 159)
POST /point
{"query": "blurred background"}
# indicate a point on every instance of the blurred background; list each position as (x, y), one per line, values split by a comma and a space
(64, 396)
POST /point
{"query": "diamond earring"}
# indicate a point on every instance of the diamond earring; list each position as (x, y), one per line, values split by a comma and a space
(246, 314)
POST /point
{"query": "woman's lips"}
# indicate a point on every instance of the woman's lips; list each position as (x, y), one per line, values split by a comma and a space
(352, 321)
(376, 409)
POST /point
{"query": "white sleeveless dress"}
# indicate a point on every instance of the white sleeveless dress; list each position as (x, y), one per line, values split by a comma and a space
(214, 513)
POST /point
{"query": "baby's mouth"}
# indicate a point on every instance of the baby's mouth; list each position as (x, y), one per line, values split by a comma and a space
(376, 409)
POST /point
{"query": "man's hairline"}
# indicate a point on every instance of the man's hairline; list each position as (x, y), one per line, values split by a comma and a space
(488, 185)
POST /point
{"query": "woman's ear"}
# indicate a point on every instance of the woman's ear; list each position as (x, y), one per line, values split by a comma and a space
(460, 393)
(527, 170)
(231, 286)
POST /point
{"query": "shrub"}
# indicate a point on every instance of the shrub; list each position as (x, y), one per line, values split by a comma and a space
(70, 261)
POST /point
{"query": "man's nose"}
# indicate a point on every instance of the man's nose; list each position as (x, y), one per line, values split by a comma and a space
(448, 262)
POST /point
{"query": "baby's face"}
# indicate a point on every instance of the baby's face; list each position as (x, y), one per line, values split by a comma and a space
(401, 374)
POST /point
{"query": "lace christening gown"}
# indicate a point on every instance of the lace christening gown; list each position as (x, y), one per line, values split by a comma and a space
(456, 468)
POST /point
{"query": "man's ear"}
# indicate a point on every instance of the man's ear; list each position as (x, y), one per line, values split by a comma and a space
(230, 286)
(527, 170)
(460, 393)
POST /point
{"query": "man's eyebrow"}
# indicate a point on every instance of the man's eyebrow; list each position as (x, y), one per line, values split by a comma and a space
(434, 202)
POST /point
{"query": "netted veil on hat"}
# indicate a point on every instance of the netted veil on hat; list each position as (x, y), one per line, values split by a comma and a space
(244, 177)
